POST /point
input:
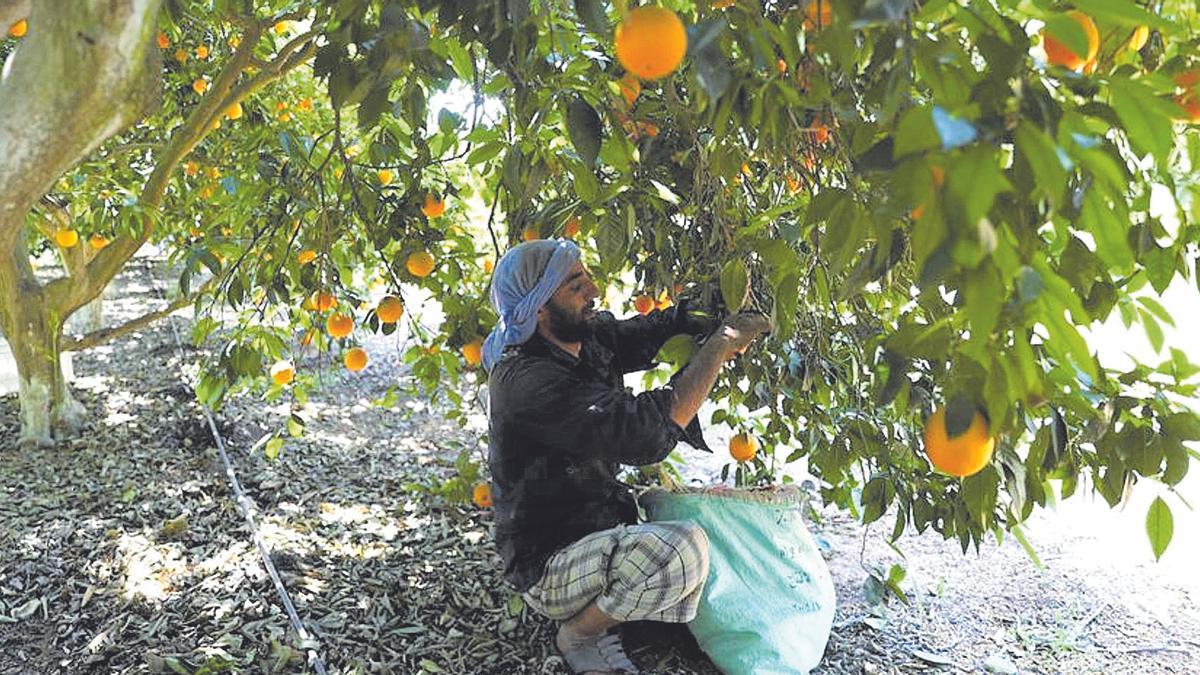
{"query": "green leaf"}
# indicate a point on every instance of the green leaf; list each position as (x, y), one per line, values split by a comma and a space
(677, 351)
(1044, 159)
(877, 495)
(1124, 13)
(1156, 309)
(974, 180)
(1108, 228)
(915, 133)
(373, 106)
(485, 152)
(1146, 117)
(1065, 339)
(591, 13)
(272, 448)
(1019, 533)
(460, 60)
(979, 493)
(783, 309)
(985, 296)
(584, 129)
(587, 188)
(1153, 331)
(1067, 31)
(1160, 526)
(735, 284)
(712, 68)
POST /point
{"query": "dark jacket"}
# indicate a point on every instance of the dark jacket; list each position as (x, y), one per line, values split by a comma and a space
(560, 428)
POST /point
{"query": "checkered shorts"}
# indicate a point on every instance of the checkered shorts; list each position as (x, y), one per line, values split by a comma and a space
(648, 572)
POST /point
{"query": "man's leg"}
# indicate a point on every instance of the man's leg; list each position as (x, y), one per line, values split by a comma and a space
(650, 572)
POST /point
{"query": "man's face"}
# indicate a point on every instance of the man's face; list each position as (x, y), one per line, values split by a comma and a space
(570, 311)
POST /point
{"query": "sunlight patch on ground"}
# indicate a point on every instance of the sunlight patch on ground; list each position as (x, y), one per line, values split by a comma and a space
(148, 569)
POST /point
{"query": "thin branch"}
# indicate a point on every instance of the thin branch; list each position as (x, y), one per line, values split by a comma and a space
(107, 334)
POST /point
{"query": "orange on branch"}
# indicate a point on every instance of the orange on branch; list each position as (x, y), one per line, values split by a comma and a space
(961, 455)
(384, 175)
(818, 14)
(481, 495)
(306, 256)
(282, 373)
(162, 39)
(433, 206)
(322, 301)
(651, 42)
(1059, 54)
(181, 56)
(339, 325)
(191, 168)
(530, 234)
(66, 238)
(20, 28)
(1191, 107)
(420, 264)
(723, 4)
(355, 359)
(488, 265)
(98, 241)
(571, 228)
(199, 85)
(305, 104)
(390, 309)
(234, 111)
(473, 352)
(631, 88)
(644, 304)
(743, 447)
(202, 52)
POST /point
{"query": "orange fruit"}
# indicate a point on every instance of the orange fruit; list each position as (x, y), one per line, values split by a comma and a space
(306, 256)
(1191, 107)
(282, 373)
(818, 14)
(917, 212)
(781, 67)
(66, 238)
(322, 301)
(723, 4)
(234, 111)
(962, 455)
(488, 265)
(390, 309)
(650, 42)
(97, 241)
(199, 85)
(644, 304)
(1138, 38)
(1059, 54)
(355, 359)
(571, 229)
(630, 88)
(473, 352)
(433, 207)
(420, 264)
(1188, 79)
(20, 28)
(202, 52)
(820, 132)
(793, 185)
(305, 104)
(530, 234)
(191, 168)
(743, 447)
(384, 175)
(207, 191)
(181, 56)
(482, 496)
(212, 172)
(281, 27)
(163, 40)
(339, 325)
(287, 117)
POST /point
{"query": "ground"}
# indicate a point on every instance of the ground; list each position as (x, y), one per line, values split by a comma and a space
(123, 550)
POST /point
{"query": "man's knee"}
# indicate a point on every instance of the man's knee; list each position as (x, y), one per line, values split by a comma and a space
(691, 544)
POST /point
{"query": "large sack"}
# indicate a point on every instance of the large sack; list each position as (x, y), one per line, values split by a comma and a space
(769, 601)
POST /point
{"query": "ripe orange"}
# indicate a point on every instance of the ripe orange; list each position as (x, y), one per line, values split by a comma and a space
(98, 241)
(322, 301)
(962, 455)
(482, 496)
(1191, 107)
(212, 172)
(281, 27)
(420, 264)
(433, 207)
(743, 447)
(488, 265)
(390, 309)
(473, 352)
(199, 85)
(306, 256)
(20, 28)
(663, 302)
(1188, 79)
(820, 132)
(66, 238)
(339, 325)
(305, 104)
(630, 88)
(202, 52)
(234, 111)
(181, 56)
(163, 40)
(530, 234)
(207, 191)
(1059, 54)
(571, 229)
(818, 14)
(781, 67)
(723, 4)
(651, 42)
(385, 175)
(282, 373)
(1138, 38)
(644, 304)
(355, 359)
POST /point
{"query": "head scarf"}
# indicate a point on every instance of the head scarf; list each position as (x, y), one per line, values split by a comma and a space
(524, 280)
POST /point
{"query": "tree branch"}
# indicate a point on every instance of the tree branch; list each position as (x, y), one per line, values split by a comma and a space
(107, 334)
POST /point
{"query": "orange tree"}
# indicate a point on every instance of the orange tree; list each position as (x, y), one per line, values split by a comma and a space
(933, 202)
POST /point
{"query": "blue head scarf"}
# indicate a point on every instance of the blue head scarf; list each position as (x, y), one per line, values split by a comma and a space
(524, 280)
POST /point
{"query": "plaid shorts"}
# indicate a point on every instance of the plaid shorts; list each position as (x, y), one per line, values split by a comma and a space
(648, 572)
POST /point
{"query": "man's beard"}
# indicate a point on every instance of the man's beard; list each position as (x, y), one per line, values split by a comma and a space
(566, 326)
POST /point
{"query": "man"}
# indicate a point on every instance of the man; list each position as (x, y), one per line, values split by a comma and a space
(561, 424)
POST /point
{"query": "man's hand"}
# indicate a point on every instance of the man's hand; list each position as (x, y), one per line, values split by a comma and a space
(739, 330)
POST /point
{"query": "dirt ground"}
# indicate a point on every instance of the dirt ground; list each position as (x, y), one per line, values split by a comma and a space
(123, 551)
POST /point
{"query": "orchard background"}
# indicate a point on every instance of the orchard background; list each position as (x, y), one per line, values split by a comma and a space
(941, 205)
